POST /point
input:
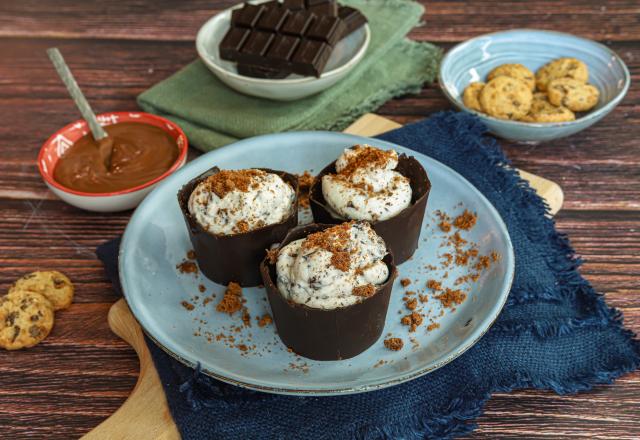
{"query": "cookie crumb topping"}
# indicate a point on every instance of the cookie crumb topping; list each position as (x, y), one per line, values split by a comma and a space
(232, 300)
(336, 267)
(394, 344)
(366, 185)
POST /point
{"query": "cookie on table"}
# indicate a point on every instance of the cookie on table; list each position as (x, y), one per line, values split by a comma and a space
(515, 71)
(26, 318)
(506, 98)
(55, 286)
(573, 94)
(471, 96)
(561, 68)
(543, 111)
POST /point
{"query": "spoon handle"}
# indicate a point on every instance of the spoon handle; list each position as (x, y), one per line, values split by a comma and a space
(76, 94)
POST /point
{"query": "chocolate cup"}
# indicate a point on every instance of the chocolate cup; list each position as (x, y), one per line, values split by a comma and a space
(235, 257)
(327, 335)
(402, 231)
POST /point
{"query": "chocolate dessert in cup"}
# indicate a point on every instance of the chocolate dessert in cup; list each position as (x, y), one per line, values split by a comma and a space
(388, 190)
(233, 216)
(329, 288)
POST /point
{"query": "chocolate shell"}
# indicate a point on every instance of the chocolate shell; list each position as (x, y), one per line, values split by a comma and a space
(235, 257)
(401, 232)
(327, 335)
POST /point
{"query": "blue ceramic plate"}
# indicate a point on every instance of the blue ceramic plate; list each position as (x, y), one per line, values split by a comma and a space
(475, 58)
(156, 240)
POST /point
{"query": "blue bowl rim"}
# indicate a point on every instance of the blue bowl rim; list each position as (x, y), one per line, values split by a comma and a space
(592, 115)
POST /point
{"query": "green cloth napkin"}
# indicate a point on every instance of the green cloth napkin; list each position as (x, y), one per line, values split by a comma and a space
(213, 115)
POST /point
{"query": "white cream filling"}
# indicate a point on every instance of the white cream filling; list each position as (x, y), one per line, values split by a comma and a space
(307, 276)
(370, 193)
(269, 200)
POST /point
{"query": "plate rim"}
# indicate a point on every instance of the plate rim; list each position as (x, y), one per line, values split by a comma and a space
(467, 343)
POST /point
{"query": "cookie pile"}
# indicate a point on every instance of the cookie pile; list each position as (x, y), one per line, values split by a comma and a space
(27, 311)
(554, 94)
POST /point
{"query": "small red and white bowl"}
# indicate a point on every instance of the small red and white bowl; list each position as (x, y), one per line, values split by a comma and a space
(122, 200)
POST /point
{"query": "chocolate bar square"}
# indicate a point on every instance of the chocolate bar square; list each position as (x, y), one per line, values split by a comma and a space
(247, 16)
(232, 43)
(298, 23)
(329, 8)
(273, 19)
(327, 29)
(256, 46)
(261, 72)
(282, 49)
(352, 19)
(294, 5)
(311, 57)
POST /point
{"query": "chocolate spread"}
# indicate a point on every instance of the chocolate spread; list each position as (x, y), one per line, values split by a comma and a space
(140, 153)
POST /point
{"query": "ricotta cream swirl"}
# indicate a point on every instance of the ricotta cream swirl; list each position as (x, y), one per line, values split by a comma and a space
(337, 267)
(366, 185)
(237, 201)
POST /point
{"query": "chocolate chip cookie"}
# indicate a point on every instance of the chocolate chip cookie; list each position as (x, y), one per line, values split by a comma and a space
(572, 94)
(561, 68)
(543, 111)
(26, 318)
(515, 71)
(506, 98)
(55, 286)
(471, 96)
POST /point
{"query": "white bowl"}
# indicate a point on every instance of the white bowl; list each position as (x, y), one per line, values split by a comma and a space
(346, 54)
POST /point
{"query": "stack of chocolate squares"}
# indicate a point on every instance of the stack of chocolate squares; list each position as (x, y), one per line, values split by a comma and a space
(273, 39)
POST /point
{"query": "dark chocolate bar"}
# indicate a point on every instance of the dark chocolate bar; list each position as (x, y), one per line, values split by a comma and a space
(294, 5)
(296, 36)
(282, 50)
(329, 8)
(232, 43)
(247, 16)
(255, 47)
(298, 23)
(401, 233)
(260, 72)
(352, 19)
(273, 19)
(311, 57)
(327, 29)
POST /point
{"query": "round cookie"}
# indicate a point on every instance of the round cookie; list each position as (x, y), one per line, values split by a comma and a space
(543, 111)
(26, 318)
(572, 94)
(471, 96)
(561, 68)
(55, 286)
(515, 71)
(506, 98)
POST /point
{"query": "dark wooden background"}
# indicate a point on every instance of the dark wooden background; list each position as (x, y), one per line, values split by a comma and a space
(82, 372)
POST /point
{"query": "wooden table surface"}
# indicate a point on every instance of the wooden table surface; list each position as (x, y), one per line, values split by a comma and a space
(82, 372)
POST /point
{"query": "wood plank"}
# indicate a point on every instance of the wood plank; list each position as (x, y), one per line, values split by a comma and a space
(444, 21)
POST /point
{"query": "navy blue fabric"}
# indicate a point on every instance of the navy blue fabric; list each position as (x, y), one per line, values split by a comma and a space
(554, 333)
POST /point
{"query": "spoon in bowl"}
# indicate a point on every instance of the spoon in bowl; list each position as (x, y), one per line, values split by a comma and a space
(105, 143)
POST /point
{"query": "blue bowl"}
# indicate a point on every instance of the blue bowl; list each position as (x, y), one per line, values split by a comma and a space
(475, 58)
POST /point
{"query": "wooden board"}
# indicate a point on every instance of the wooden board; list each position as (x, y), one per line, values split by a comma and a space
(145, 414)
